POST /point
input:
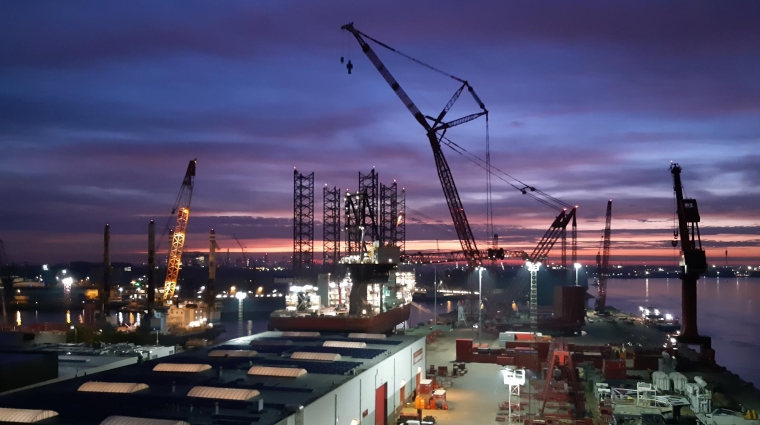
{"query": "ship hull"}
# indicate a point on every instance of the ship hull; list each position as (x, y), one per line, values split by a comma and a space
(380, 323)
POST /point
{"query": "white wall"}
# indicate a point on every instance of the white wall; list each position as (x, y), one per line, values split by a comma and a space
(354, 397)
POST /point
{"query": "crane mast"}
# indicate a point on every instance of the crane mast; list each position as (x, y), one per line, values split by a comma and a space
(432, 128)
(693, 261)
(182, 210)
(603, 261)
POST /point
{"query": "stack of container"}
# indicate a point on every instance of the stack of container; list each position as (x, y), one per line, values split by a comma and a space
(661, 381)
(679, 382)
(614, 369)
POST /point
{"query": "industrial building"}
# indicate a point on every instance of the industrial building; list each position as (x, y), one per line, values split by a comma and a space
(271, 378)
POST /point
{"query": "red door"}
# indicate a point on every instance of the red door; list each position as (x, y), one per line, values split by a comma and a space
(381, 411)
(403, 395)
(417, 382)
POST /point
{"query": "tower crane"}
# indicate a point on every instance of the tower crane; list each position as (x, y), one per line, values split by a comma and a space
(182, 210)
(693, 262)
(435, 130)
(245, 259)
(603, 261)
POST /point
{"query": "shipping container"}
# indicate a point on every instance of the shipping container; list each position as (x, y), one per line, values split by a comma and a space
(661, 381)
(464, 350)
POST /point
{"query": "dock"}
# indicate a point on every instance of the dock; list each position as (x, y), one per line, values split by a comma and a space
(480, 395)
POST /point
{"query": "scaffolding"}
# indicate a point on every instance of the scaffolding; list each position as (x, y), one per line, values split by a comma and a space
(330, 226)
(303, 224)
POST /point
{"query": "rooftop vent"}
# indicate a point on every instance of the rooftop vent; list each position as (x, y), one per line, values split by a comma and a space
(25, 416)
(323, 357)
(283, 372)
(290, 334)
(180, 367)
(128, 420)
(112, 387)
(274, 342)
(366, 336)
(223, 393)
(232, 353)
(345, 344)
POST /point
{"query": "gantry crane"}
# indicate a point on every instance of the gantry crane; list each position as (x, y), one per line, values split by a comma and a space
(693, 262)
(182, 210)
(603, 261)
(435, 130)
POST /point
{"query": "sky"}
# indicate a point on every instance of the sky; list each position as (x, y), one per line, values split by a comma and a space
(102, 105)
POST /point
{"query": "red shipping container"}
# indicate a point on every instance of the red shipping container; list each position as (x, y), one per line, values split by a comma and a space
(464, 350)
(614, 364)
(615, 375)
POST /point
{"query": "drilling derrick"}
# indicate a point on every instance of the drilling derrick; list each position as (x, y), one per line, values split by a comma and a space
(182, 210)
(303, 224)
(331, 226)
(389, 216)
(693, 262)
(603, 261)
(401, 222)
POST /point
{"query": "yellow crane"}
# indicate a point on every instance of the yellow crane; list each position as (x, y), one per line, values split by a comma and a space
(182, 210)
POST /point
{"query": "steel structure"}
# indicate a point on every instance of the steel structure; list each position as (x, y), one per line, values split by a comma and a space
(242, 251)
(151, 263)
(388, 214)
(603, 261)
(693, 260)
(557, 229)
(330, 226)
(562, 368)
(401, 221)
(533, 269)
(182, 210)
(303, 224)
(458, 256)
(370, 184)
(358, 211)
(6, 281)
(210, 294)
(435, 129)
(105, 295)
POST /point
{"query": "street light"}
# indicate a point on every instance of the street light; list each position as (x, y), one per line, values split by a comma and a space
(435, 296)
(577, 266)
(75, 333)
(480, 303)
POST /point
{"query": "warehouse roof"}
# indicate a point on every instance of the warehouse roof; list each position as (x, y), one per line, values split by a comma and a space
(222, 381)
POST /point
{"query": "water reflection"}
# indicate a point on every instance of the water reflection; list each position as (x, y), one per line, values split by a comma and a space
(729, 317)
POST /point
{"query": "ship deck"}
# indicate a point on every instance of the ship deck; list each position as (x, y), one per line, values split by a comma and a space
(474, 398)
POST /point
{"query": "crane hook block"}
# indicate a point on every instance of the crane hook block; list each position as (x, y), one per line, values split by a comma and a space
(674, 243)
(349, 66)
(342, 59)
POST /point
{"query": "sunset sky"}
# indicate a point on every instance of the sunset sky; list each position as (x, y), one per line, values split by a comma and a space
(102, 104)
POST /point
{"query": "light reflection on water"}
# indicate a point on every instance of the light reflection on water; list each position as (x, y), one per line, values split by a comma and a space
(729, 316)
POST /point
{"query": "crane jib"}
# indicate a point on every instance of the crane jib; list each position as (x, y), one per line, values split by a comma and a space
(456, 209)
